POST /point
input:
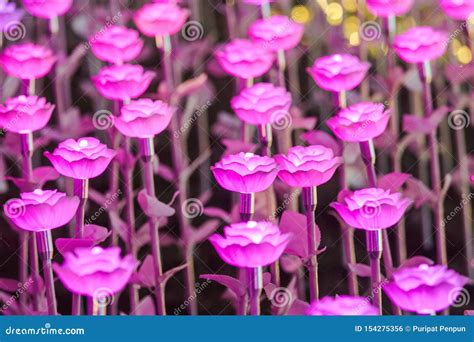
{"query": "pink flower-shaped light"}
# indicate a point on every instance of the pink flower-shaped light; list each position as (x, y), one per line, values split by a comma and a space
(95, 272)
(9, 17)
(342, 306)
(144, 118)
(457, 9)
(420, 44)
(244, 58)
(278, 32)
(386, 8)
(261, 104)
(250, 244)
(425, 289)
(340, 72)
(82, 159)
(116, 45)
(245, 172)
(41, 210)
(371, 208)
(307, 166)
(122, 82)
(160, 19)
(47, 9)
(25, 114)
(27, 61)
(360, 122)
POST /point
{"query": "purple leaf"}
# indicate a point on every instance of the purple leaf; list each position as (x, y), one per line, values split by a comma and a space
(153, 207)
(419, 193)
(393, 181)
(416, 261)
(65, 245)
(146, 273)
(203, 232)
(146, 307)
(295, 223)
(170, 273)
(290, 263)
(231, 283)
(9, 285)
(95, 233)
(360, 269)
(322, 138)
(417, 124)
(217, 212)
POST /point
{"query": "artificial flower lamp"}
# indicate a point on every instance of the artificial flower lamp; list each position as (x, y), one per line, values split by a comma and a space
(25, 114)
(27, 61)
(338, 73)
(360, 122)
(47, 9)
(372, 210)
(457, 9)
(160, 19)
(245, 173)
(386, 8)
(276, 33)
(39, 212)
(122, 82)
(425, 289)
(96, 273)
(307, 168)
(144, 118)
(116, 45)
(420, 44)
(82, 159)
(251, 245)
(342, 306)
(245, 59)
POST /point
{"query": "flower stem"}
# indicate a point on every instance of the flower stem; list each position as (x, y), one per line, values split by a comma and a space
(255, 286)
(147, 153)
(374, 249)
(45, 248)
(310, 200)
(281, 68)
(81, 190)
(440, 232)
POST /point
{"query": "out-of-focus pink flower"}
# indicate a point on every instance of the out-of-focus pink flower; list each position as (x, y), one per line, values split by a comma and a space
(261, 104)
(25, 114)
(340, 72)
(307, 166)
(95, 272)
(116, 45)
(278, 32)
(420, 44)
(258, 2)
(41, 210)
(425, 289)
(385, 8)
(47, 9)
(342, 306)
(250, 244)
(160, 19)
(245, 172)
(144, 118)
(82, 159)
(244, 58)
(371, 208)
(27, 61)
(122, 82)
(360, 122)
(9, 18)
(457, 9)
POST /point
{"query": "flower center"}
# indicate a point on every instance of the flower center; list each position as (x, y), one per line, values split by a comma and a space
(38, 192)
(83, 143)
